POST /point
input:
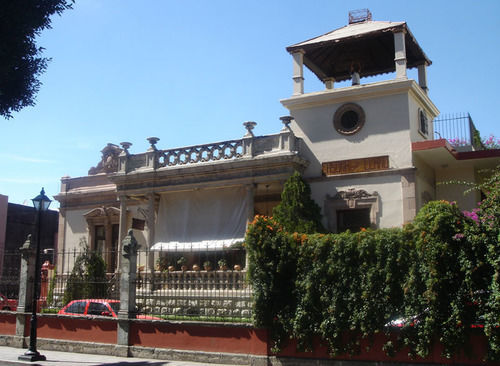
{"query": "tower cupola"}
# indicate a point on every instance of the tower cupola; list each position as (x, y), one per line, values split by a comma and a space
(362, 48)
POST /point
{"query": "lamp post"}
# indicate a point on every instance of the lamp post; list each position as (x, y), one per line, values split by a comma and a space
(41, 203)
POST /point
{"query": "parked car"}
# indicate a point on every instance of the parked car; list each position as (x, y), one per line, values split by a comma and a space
(92, 307)
(7, 304)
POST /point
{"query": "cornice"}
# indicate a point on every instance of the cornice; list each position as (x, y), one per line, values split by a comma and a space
(358, 93)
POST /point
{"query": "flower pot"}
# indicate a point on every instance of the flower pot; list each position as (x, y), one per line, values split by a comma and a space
(196, 267)
(237, 267)
(184, 268)
(171, 268)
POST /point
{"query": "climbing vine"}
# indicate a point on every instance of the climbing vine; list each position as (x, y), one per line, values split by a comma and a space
(439, 275)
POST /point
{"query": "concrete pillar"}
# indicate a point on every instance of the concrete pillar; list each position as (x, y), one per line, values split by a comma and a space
(298, 72)
(400, 55)
(128, 276)
(25, 300)
(329, 83)
(422, 77)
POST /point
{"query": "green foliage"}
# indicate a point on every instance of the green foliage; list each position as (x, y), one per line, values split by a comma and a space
(446, 273)
(88, 277)
(272, 256)
(20, 58)
(52, 284)
(163, 262)
(441, 273)
(297, 211)
(484, 233)
(348, 286)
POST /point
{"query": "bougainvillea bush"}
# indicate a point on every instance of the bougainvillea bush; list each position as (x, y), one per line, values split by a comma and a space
(439, 274)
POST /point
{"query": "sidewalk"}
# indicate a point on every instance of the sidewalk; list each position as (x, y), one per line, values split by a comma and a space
(8, 357)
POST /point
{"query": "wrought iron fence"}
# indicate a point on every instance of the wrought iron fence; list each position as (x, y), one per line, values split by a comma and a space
(196, 285)
(9, 274)
(458, 129)
(199, 285)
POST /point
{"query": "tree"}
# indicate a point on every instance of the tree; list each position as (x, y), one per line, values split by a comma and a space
(297, 211)
(21, 63)
(88, 277)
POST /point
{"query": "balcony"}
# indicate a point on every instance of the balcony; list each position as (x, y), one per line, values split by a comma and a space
(459, 130)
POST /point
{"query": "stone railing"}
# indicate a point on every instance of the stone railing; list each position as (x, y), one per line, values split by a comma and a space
(201, 153)
(200, 280)
(247, 147)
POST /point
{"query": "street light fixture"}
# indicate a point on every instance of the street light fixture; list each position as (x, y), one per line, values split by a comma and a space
(41, 203)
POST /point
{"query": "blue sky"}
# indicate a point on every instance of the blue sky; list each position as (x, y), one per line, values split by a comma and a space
(191, 72)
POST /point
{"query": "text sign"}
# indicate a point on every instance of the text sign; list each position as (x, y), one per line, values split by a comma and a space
(356, 165)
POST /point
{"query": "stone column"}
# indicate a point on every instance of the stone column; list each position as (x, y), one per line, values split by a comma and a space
(248, 139)
(26, 278)
(123, 157)
(400, 55)
(250, 199)
(108, 248)
(123, 226)
(128, 275)
(150, 221)
(298, 72)
(287, 137)
(422, 77)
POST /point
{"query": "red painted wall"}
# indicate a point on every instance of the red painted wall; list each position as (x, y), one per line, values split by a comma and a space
(209, 338)
(376, 353)
(7, 324)
(76, 329)
(215, 338)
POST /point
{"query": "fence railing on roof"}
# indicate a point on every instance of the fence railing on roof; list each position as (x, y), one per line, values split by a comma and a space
(247, 147)
(459, 130)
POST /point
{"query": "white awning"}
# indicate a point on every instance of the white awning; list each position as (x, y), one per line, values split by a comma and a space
(199, 246)
(204, 219)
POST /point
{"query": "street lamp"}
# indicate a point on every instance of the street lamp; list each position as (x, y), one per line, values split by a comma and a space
(41, 203)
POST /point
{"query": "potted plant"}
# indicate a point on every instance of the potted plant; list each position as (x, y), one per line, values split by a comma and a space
(182, 262)
(162, 263)
(196, 267)
(222, 264)
(237, 267)
(207, 265)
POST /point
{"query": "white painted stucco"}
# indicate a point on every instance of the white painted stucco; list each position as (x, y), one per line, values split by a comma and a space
(425, 183)
(388, 188)
(76, 229)
(446, 190)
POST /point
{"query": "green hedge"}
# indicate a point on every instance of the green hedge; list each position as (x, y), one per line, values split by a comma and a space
(443, 268)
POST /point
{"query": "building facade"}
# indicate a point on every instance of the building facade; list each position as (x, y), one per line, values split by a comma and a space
(368, 151)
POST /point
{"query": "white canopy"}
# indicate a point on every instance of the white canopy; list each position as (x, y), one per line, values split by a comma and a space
(201, 220)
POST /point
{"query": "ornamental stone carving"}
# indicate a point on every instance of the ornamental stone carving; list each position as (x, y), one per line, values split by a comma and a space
(109, 160)
(351, 195)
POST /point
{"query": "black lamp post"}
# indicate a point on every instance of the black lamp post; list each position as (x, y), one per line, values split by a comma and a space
(41, 203)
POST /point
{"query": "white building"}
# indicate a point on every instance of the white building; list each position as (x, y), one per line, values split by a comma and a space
(367, 150)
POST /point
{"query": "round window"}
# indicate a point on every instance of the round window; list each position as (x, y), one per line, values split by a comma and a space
(349, 119)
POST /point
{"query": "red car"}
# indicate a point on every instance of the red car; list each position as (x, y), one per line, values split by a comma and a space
(91, 307)
(7, 304)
